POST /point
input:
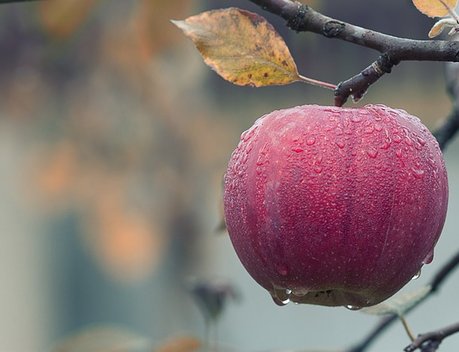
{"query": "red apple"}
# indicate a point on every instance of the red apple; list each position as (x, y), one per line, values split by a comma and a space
(335, 206)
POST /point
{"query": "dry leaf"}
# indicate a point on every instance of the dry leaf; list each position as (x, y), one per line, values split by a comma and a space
(400, 304)
(435, 8)
(241, 46)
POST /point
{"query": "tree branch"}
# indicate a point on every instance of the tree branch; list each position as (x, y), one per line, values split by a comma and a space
(13, 1)
(447, 131)
(302, 18)
(430, 341)
(436, 282)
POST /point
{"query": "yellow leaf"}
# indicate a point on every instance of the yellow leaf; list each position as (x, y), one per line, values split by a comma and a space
(242, 47)
(435, 8)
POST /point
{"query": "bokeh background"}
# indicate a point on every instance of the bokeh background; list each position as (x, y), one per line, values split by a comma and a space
(114, 137)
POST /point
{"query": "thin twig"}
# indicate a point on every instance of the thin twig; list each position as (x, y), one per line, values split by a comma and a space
(445, 133)
(430, 341)
(393, 49)
(450, 126)
(407, 328)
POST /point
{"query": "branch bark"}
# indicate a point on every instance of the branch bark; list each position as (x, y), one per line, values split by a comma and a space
(430, 341)
(448, 130)
(393, 50)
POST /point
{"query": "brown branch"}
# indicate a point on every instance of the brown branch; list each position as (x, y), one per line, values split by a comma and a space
(430, 341)
(436, 282)
(447, 131)
(302, 18)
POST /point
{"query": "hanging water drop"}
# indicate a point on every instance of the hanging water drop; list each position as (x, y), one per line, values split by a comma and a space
(351, 307)
(417, 275)
(281, 296)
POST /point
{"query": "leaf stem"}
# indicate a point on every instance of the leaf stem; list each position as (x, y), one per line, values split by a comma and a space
(451, 11)
(316, 82)
(407, 328)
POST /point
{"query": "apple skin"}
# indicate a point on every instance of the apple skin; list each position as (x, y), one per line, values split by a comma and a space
(335, 206)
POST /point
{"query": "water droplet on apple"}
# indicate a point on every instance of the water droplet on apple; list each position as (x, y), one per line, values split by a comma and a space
(417, 275)
(318, 169)
(429, 258)
(281, 296)
(408, 141)
(297, 149)
(418, 173)
(340, 144)
(396, 138)
(282, 269)
(246, 135)
(310, 141)
(372, 153)
(421, 141)
(351, 307)
(385, 146)
(369, 129)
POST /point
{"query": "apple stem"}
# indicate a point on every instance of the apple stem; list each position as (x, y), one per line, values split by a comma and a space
(408, 330)
(316, 82)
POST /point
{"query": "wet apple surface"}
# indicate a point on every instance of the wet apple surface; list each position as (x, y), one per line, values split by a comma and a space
(335, 206)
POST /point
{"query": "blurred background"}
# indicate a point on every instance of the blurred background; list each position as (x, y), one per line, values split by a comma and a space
(114, 137)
